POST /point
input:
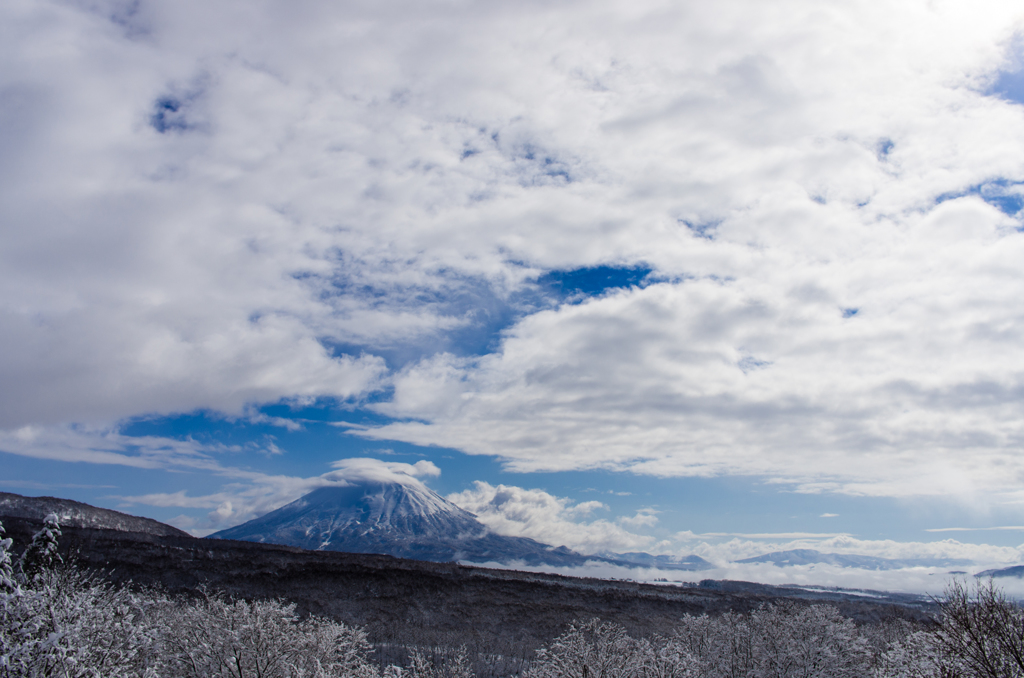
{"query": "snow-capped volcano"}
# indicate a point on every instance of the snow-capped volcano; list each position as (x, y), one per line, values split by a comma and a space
(395, 516)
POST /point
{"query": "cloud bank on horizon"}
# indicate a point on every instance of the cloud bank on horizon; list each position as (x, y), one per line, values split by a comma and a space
(777, 239)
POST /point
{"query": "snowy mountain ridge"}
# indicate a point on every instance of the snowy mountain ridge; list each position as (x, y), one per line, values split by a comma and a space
(76, 514)
(796, 557)
(403, 519)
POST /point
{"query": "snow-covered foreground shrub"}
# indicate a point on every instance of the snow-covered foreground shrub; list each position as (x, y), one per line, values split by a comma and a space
(776, 641)
(596, 649)
(71, 624)
(217, 637)
(58, 621)
(67, 623)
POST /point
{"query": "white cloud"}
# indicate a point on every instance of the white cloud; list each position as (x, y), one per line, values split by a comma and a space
(645, 517)
(651, 380)
(519, 512)
(363, 468)
(326, 186)
(775, 535)
(1011, 528)
(108, 446)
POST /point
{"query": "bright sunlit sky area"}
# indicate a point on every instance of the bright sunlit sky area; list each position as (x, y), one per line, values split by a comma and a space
(676, 277)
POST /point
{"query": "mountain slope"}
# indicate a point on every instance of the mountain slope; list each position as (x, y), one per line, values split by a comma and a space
(403, 519)
(1012, 571)
(812, 557)
(76, 514)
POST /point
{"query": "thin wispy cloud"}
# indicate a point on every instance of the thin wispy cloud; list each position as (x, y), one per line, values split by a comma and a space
(1010, 528)
(776, 535)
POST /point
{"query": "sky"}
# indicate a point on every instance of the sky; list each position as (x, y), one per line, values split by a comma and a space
(676, 277)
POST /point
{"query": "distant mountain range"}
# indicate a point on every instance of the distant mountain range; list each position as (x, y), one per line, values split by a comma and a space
(408, 520)
(812, 557)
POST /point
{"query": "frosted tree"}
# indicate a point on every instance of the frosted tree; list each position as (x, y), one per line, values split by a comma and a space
(916, 655)
(981, 633)
(720, 647)
(71, 624)
(450, 665)
(792, 641)
(42, 553)
(596, 649)
(590, 649)
(7, 582)
(783, 640)
(217, 637)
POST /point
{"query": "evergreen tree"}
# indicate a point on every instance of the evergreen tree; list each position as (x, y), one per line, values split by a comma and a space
(42, 553)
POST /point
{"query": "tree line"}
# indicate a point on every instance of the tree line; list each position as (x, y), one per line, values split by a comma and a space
(58, 620)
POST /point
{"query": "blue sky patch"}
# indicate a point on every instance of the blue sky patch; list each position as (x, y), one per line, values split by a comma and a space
(884, 148)
(1009, 86)
(750, 363)
(169, 115)
(702, 229)
(1005, 195)
(595, 280)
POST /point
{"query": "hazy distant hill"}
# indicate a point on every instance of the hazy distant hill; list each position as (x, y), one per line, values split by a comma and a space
(689, 563)
(812, 557)
(1012, 571)
(77, 514)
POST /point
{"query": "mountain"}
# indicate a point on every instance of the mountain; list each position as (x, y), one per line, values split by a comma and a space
(404, 519)
(1012, 571)
(812, 557)
(683, 563)
(76, 514)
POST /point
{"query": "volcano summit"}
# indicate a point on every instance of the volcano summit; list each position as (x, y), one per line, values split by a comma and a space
(398, 516)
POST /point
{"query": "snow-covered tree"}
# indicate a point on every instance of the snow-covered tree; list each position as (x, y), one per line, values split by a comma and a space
(7, 582)
(69, 623)
(916, 655)
(214, 636)
(596, 649)
(782, 640)
(590, 649)
(794, 641)
(719, 646)
(981, 633)
(452, 664)
(42, 553)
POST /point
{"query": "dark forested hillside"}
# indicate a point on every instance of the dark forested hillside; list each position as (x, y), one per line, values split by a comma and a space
(424, 602)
